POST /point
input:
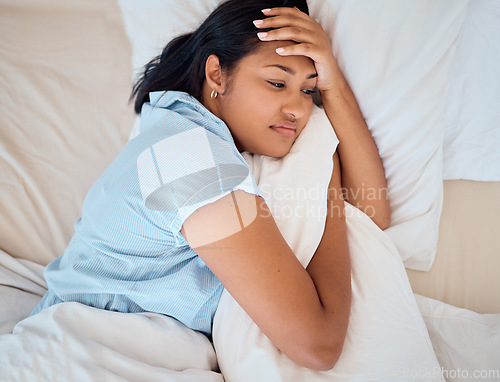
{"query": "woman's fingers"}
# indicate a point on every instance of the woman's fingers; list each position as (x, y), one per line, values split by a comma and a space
(277, 20)
(292, 33)
(284, 11)
(290, 24)
(297, 50)
(293, 25)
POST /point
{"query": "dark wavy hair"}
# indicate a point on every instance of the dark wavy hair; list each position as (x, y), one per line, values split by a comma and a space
(228, 32)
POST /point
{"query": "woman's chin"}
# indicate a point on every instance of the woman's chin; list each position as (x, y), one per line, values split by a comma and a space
(280, 155)
(276, 152)
(276, 149)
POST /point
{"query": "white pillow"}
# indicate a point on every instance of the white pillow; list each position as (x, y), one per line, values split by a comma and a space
(386, 340)
(472, 112)
(151, 24)
(396, 57)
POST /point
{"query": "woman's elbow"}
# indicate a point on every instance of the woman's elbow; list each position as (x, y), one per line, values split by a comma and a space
(319, 351)
(383, 221)
(379, 212)
(323, 357)
(381, 215)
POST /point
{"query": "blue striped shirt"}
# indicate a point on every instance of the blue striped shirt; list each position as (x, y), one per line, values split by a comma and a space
(127, 253)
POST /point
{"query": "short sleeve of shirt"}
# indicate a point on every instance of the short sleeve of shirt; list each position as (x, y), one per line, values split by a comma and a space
(189, 169)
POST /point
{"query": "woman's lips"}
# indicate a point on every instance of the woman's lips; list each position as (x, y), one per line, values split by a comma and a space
(285, 129)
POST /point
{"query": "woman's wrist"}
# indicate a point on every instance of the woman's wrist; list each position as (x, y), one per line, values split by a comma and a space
(342, 109)
(336, 87)
(330, 77)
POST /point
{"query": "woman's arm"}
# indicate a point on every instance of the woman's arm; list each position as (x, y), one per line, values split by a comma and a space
(330, 268)
(303, 313)
(363, 177)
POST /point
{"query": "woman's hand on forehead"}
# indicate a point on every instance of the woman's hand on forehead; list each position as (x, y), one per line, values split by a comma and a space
(290, 24)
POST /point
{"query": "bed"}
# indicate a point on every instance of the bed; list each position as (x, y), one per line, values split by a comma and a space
(427, 80)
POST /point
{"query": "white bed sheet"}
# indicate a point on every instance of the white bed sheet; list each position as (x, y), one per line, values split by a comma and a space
(74, 342)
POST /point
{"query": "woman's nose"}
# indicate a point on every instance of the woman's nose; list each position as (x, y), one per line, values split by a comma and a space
(294, 105)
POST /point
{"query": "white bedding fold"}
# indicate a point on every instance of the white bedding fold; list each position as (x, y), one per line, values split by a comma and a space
(22, 274)
(74, 342)
(21, 287)
(467, 344)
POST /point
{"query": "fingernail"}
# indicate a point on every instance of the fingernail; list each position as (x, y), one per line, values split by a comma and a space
(280, 50)
(258, 22)
(267, 10)
(262, 35)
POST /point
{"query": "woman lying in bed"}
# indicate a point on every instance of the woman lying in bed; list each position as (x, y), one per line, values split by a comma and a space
(177, 216)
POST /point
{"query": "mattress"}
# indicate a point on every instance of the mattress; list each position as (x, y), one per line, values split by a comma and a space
(465, 272)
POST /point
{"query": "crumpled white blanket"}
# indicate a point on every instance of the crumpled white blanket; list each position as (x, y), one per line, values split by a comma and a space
(74, 342)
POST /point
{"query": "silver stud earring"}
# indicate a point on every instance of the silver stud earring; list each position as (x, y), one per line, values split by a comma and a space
(214, 94)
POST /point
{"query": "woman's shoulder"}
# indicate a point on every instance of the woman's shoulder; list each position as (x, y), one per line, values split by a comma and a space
(177, 130)
(174, 111)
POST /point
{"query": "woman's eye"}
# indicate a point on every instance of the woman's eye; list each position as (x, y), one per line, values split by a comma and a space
(276, 84)
(309, 92)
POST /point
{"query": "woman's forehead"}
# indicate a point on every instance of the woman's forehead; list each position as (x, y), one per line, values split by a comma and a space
(266, 56)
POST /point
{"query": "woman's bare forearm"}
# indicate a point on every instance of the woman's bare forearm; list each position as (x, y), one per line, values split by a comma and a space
(363, 177)
(330, 267)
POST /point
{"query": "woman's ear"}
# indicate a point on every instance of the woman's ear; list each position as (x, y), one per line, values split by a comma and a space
(214, 75)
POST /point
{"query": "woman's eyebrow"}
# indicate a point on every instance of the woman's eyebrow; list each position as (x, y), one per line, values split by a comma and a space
(290, 70)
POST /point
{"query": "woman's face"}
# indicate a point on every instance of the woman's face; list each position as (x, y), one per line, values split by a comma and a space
(268, 100)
